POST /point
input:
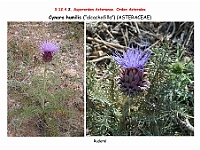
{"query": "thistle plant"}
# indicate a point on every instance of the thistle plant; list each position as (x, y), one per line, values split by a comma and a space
(132, 80)
(47, 48)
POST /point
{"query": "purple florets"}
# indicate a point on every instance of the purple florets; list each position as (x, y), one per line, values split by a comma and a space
(132, 58)
(132, 80)
(48, 48)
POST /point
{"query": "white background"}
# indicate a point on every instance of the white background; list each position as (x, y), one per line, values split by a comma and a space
(39, 10)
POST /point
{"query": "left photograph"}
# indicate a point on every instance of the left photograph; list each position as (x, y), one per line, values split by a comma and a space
(45, 79)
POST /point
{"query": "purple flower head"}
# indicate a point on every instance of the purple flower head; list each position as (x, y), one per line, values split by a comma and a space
(48, 48)
(132, 58)
(132, 80)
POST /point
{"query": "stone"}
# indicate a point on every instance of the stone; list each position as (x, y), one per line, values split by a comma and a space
(70, 72)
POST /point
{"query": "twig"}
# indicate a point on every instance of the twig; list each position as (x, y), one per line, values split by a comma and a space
(141, 25)
(168, 28)
(124, 37)
(147, 32)
(190, 34)
(181, 38)
(137, 27)
(92, 57)
(173, 31)
(98, 36)
(180, 29)
(110, 33)
(116, 26)
(127, 36)
(186, 123)
(112, 45)
(115, 32)
(99, 59)
(131, 24)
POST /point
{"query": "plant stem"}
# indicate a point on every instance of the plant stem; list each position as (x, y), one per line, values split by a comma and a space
(126, 112)
(44, 80)
(43, 99)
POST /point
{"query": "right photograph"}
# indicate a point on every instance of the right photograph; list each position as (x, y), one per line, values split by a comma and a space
(140, 78)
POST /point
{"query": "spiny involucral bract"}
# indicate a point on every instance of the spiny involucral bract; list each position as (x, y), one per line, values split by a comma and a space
(132, 80)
